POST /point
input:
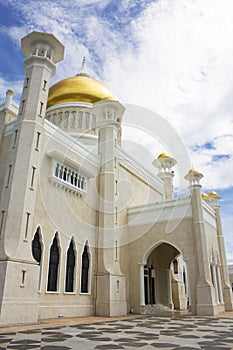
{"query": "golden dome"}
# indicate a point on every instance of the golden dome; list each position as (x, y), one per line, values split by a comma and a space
(80, 88)
(204, 195)
(193, 171)
(213, 194)
(164, 155)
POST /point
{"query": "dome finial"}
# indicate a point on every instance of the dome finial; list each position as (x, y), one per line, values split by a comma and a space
(82, 71)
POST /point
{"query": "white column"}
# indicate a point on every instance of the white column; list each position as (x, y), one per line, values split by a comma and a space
(219, 281)
(141, 281)
(169, 288)
(215, 282)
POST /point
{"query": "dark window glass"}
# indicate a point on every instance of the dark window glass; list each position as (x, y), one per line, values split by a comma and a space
(85, 270)
(70, 264)
(53, 266)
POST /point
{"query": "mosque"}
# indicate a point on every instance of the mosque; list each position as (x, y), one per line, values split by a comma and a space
(83, 225)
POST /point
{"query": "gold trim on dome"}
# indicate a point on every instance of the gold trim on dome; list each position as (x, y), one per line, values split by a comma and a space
(78, 89)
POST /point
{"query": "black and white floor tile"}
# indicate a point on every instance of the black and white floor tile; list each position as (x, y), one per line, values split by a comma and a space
(150, 333)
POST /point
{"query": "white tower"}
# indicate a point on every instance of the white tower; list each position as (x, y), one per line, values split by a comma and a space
(205, 294)
(165, 163)
(213, 200)
(8, 112)
(111, 289)
(19, 195)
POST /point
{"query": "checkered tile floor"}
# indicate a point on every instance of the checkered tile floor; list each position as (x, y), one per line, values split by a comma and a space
(167, 333)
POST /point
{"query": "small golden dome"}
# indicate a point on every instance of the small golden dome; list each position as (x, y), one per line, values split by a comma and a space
(164, 155)
(213, 194)
(80, 88)
(204, 195)
(193, 171)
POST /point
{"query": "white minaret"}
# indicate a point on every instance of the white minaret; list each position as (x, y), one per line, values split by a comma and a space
(8, 112)
(43, 51)
(205, 293)
(213, 200)
(165, 163)
(111, 289)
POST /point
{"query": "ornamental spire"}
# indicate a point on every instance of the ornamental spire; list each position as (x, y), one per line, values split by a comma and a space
(82, 71)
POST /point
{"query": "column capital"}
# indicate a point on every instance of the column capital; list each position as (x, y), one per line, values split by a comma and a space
(213, 200)
(194, 177)
(42, 44)
(108, 113)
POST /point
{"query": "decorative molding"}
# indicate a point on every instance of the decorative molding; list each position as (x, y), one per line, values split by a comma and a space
(177, 209)
(69, 104)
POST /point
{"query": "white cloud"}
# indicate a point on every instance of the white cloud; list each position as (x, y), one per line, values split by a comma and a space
(182, 68)
(174, 57)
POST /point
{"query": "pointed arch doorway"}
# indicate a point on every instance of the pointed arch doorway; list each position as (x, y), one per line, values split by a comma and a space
(157, 278)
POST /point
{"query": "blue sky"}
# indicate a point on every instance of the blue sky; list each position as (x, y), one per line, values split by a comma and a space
(171, 56)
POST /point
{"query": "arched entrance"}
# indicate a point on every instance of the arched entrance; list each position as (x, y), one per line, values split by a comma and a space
(163, 279)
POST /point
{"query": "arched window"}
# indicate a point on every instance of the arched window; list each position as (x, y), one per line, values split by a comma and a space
(36, 247)
(80, 119)
(175, 266)
(54, 118)
(70, 265)
(85, 270)
(60, 119)
(73, 119)
(66, 119)
(53, 266)
(37, 252)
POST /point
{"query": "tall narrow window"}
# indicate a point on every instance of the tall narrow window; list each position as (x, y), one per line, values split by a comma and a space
(23, 278)
(85, 270)
(37, 252)
(22, 106)
(175, 266)
(116, 191)
(41, 108)
(73, 119)
(26, 83)
(36, 247)
(66, 119)
(15, 138)
(9, 175)
(116, 250)
(2, 221)
(54, 120)
(80, 119)
(27, 224)
(53, 266)
(44, 85)
(37, 141)
(70, 264)
(116, 215)
(32, 178)
(87, 120)
(60, 119)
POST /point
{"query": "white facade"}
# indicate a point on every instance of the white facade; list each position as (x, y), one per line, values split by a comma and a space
(85, 229)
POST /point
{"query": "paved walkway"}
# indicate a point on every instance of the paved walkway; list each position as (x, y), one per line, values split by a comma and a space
(131, 332)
